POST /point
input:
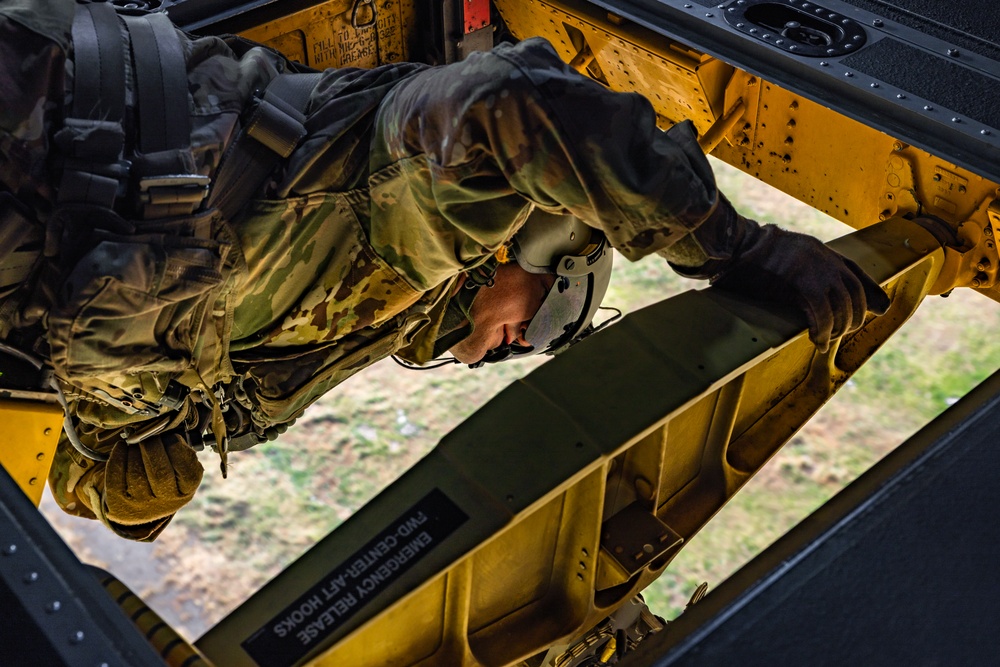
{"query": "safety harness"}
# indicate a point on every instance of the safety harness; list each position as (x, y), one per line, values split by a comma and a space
(119, 174)
(160, 165)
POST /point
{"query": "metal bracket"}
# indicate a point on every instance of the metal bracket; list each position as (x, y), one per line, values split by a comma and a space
(634, 537)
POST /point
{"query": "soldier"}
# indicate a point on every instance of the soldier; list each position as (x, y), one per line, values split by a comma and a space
(201, 241)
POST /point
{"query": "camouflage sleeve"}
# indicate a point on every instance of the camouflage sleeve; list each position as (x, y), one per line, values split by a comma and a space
(34, 38)
(50, 19)
(460, 150)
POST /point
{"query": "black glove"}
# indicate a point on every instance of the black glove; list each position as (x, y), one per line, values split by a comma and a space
(773, 264)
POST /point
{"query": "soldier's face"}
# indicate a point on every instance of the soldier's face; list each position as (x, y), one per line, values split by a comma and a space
(502, 312)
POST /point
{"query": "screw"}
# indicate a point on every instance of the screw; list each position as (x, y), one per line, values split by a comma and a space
(983, 264)
(877, 23)
(937, 177)
(33, 481)
(47, 431)
(76, 637)
(988, 231)
(954, 53)
(9, 550)
(31, 577)
(897, 146)
(53, 607)
(39, 456)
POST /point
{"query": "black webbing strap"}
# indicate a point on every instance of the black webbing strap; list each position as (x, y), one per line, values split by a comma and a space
(163, 164)
(99, 91)
(274, 129)
(161, 84)
(92, 137)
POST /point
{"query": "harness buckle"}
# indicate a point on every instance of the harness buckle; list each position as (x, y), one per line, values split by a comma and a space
(173, 189)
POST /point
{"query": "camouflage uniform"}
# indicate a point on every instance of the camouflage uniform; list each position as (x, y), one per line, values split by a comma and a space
(408, 177)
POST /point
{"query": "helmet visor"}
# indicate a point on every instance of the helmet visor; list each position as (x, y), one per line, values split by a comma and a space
(560, 312)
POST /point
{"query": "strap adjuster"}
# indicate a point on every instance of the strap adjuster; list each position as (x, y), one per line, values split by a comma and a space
(276, 124)
(170, 189)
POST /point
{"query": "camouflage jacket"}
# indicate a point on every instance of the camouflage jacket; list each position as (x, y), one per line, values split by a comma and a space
(408, 177)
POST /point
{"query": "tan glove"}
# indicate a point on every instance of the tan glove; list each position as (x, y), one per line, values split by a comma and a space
(772, 264)
(146, 483)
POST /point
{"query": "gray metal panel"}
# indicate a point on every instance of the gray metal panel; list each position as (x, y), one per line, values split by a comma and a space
(55, 612)
(971, 24)
(899, 568)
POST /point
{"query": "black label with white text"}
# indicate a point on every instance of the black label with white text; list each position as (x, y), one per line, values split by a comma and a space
(338, 596)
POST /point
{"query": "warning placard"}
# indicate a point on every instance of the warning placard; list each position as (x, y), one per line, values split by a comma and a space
(318, 612)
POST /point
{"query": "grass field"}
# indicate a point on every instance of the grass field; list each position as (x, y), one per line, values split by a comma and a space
(280, 498)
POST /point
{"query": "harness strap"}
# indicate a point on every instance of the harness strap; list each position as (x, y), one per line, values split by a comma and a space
(161, 83)
(92, 138)
(163, 164)
(274, 129)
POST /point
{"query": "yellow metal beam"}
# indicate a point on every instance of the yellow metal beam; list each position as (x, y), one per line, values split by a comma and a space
(554, 504)
(30, 432)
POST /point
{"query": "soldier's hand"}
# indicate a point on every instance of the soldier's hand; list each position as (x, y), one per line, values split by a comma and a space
(777, 265)
(150, 480)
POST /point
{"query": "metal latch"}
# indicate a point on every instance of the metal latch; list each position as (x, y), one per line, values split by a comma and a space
(802, 28)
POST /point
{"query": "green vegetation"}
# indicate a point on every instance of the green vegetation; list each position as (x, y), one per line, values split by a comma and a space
(282, 497)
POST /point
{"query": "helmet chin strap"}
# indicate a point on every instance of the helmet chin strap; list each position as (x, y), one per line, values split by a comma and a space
(496, 355)
(500, 353)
